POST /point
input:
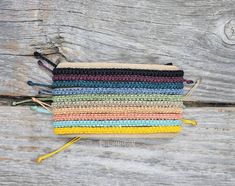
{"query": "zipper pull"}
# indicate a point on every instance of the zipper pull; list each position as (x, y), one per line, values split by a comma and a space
(14, 103)
(45, 92)
(30, 83)
(168, 64)
(40, 56)
(188, 81)
(66, 145)
(43, 104)
(40, 63)
(189, 122)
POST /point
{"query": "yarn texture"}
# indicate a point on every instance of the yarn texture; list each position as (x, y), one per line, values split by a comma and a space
(116, 98)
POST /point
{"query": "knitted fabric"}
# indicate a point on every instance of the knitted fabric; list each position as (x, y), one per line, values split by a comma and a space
(72, 91)
(117, 130)
(114, 123)
(108, 103)
(94, 71)
(125, 78)
(110, 84)
(118, 97)
(93, 110)
(111, 98)
(113, 116)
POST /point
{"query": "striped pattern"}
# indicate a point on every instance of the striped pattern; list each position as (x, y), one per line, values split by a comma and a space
(109, 98)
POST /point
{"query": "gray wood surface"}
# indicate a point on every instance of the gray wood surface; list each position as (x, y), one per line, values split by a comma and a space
(199, 36)
(196, 35)
(202, 155)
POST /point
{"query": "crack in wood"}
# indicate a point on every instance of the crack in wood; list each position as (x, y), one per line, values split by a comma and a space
(7, 100)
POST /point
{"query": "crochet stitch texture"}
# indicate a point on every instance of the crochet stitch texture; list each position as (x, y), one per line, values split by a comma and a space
(111, 98)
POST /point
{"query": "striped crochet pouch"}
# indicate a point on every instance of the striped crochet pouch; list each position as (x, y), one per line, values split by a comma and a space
(100, 99)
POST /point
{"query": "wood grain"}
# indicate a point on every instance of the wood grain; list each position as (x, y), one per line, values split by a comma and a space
(202, 155)
(196, 35)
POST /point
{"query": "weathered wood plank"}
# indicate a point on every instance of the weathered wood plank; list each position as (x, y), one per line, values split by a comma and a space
(202, 155)
(196, 35)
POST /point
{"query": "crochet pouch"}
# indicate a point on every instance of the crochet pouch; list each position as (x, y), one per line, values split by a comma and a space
(100, 99)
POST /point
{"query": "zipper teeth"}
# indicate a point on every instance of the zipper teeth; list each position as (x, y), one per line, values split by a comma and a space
(106, 118)
(119, 98)
(125, 121)
(115, 99)
(118, 66)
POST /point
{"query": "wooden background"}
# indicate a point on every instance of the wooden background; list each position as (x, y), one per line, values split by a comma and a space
(199, 36)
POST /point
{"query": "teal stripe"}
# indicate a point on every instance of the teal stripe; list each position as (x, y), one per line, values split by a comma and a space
(109, 84)
(115, 123)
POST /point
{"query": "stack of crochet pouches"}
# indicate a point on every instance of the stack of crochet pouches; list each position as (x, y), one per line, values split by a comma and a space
(111, 100)
(115, 99)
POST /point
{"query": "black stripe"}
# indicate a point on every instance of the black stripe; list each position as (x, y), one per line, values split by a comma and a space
(111, 71)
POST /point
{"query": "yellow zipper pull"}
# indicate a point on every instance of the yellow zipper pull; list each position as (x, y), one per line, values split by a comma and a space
(66, 145)
(190, 122)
